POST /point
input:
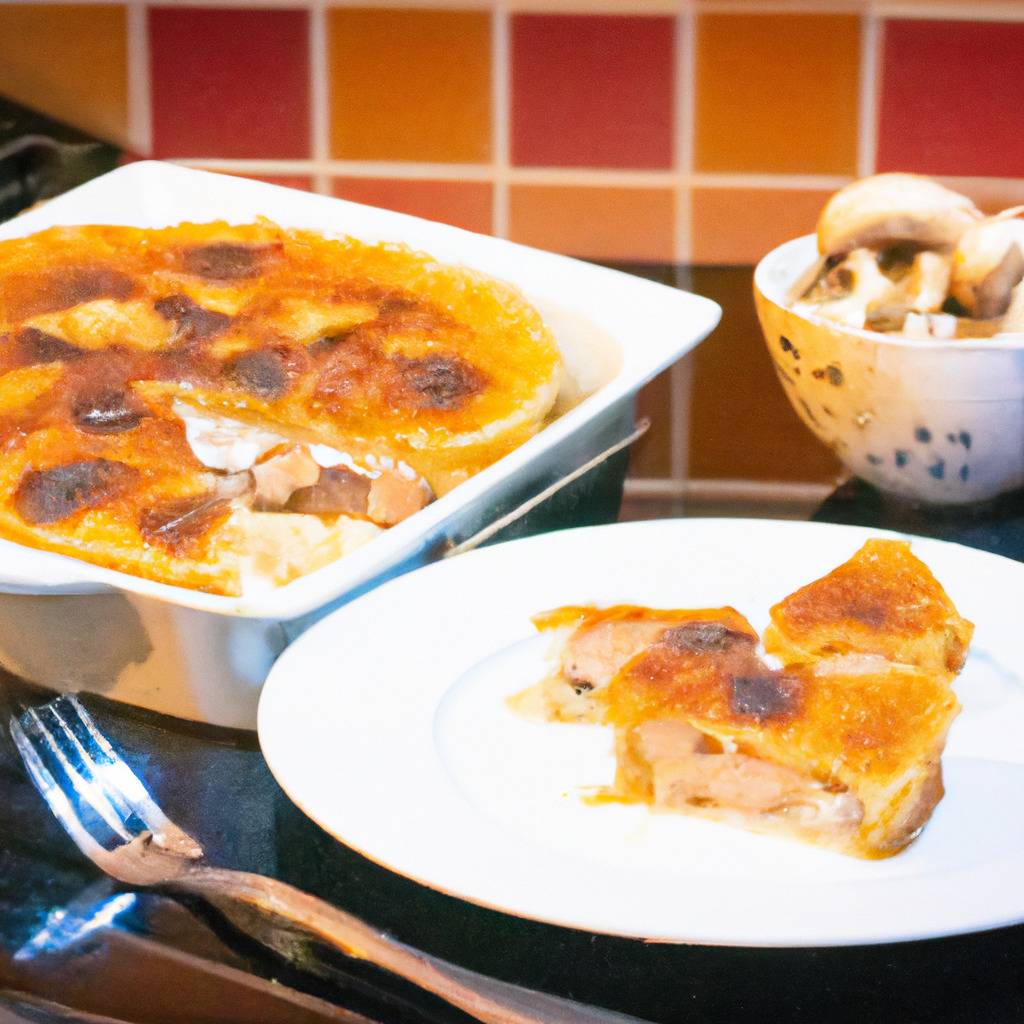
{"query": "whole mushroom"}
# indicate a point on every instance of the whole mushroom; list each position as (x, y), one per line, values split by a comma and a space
(988, 264)
(892, 209)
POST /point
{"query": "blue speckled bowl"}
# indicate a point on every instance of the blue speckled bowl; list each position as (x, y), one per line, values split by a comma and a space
(937, 421)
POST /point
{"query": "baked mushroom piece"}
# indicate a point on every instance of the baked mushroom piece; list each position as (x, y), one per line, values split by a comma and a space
(886, 244)
(988, 264)
(1013, 319)
(892, 209)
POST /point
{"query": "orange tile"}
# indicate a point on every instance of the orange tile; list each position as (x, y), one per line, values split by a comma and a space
(466, 204)
(595, 222)
(68, 61)
(740, 225)
(410, 84)
(777, 93)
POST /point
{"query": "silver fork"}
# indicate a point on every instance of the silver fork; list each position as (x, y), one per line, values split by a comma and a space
(108, 812)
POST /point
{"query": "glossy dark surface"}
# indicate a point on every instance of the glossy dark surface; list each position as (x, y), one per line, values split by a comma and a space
(161, 962)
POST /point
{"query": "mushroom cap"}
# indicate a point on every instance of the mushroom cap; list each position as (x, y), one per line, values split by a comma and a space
(988, 264)
(887, 209)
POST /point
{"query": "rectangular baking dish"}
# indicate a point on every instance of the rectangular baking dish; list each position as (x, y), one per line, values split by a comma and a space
(148, 639)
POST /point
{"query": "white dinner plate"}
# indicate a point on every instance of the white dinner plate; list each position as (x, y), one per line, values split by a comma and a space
(387, 725)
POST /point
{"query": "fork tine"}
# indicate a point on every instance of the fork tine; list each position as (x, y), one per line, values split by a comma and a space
(81, 776)
(97, 759)
(55, 797)
(119, 785)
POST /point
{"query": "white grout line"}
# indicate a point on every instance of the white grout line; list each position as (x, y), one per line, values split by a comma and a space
(641, 8)
(815, 182)
(1010, 10)
(957, 10)
(871, 42)
(501, 117)
(319, 97)
(593, 176)
(350, 168)
(782, 6)
(724, 490)
(684, 106)
(581, 176)
(681, 374)
(140, 117)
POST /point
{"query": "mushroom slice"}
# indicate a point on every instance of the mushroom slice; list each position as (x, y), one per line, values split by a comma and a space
(280, 476)
(921, 288)
(849, 289)
(887, 209)
(926, 285)
(989, 263)
(1013, 321)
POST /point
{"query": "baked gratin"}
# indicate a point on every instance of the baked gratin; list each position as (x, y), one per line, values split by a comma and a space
(218, 406)
(840, 747)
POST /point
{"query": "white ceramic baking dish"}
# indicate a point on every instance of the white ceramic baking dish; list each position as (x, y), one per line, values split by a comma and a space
(68, 624)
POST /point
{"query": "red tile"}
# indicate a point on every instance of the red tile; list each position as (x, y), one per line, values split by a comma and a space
(466, 204)
(952, 96)
(592, 91)
(229, 83)
(299, 181)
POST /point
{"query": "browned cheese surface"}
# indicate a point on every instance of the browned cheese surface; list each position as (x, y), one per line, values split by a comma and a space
(375, 350)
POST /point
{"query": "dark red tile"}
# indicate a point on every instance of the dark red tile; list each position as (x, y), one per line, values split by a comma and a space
(466, 204)
(592, 90)
(952, 97)
(299, 181)
(229, 82)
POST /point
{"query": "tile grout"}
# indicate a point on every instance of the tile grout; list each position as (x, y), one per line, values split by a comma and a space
(680, 374)
(319, 96)
(979, 10)
(501, 86)
(140, 101)
(867, 111)
(625, 177)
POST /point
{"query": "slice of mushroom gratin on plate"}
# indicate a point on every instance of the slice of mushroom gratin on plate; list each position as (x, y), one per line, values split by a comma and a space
(223, 407)
(840, 747)
(609, 823)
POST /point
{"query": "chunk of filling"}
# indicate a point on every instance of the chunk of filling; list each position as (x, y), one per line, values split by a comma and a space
(677, 766)
(312, 479)
(672, 764)
(594, 655)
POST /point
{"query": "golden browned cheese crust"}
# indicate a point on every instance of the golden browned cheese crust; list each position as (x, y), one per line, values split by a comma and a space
(883, 601)
(377, 351)
(877, 734)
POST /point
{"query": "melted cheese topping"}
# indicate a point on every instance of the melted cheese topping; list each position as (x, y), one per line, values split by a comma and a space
(153, 382)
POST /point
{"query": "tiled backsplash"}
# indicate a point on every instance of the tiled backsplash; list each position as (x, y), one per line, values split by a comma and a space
(648, 131)
(609, 129)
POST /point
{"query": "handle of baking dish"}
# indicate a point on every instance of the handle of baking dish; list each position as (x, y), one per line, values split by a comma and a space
(519, 511)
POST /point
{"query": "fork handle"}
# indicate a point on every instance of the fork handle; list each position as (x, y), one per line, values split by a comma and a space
(487, 999)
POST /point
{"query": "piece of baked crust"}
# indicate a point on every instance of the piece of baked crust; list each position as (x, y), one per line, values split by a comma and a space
(882, 601)
(589, 646)
(848, 760)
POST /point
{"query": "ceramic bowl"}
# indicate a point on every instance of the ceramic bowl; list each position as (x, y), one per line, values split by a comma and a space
(939, 422)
